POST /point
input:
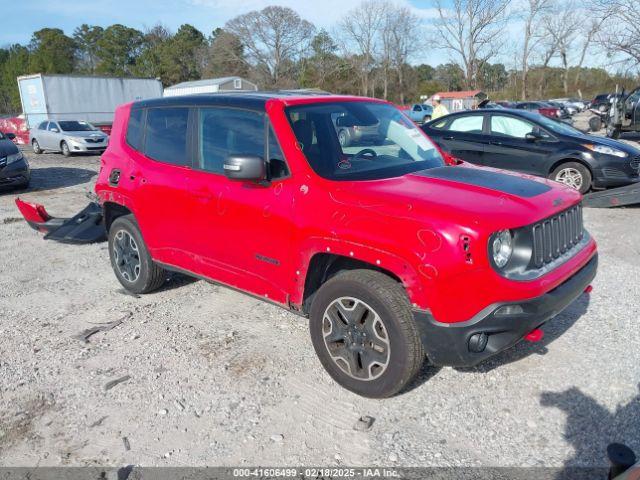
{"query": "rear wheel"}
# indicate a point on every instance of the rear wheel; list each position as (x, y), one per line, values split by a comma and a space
(364, 333)
(130, 259)
(574, 175)
(65, 149)
(36, 147)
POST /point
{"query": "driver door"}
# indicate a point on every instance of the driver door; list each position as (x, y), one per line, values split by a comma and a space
(508, 147)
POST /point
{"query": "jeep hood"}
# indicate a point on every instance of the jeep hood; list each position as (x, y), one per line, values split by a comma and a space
(467, 195)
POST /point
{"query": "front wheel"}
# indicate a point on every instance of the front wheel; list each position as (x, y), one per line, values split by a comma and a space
(574, 175)
(36, 147)
(65, 149)
(130, 259)
(364, 333)
(343, 138)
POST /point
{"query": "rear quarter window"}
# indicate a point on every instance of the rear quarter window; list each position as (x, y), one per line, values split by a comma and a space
(165, 138)
(135, 129)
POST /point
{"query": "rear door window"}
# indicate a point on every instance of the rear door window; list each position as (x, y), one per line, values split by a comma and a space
(43, 126)
(135, 128)
(467, 124)
(165, 139)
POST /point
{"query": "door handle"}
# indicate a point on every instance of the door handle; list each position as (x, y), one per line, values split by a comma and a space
(448, 138)
(495, 142)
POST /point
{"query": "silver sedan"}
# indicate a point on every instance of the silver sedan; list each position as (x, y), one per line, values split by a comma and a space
(68, 137)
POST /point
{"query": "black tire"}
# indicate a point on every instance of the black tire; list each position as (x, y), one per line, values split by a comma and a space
(36, 147)
(585, 174)
(65, 149)
(595, 124)
(390, 305)
(343, 138)
(149, 276)
(613, 132)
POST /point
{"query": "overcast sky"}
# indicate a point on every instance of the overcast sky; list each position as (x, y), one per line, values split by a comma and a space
(27, 16)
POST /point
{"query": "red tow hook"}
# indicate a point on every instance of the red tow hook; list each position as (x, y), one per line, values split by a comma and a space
(589, 289)
(534, 335)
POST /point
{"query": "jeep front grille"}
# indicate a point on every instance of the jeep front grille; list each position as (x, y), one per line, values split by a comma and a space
(556, 235)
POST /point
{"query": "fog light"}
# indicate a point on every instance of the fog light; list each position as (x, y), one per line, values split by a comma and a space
(478, 342)
(510, 310)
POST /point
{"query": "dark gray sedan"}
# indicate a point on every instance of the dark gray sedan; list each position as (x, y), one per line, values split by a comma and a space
(14, 168)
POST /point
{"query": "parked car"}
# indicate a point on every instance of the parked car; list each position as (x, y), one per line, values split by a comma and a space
(564, 106)
(602, 101)
(419, 112)
(532, 143)
(68, 137)
(350, 132)
(392, 251)
(574, 103)
(546, 109)
(14, 167)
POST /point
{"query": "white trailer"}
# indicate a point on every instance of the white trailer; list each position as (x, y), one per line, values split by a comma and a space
(211, 85)
(76, 97)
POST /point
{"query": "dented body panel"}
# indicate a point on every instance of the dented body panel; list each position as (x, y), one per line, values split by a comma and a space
(430, 232)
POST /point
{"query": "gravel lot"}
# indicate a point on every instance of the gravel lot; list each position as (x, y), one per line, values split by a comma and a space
(219, 378)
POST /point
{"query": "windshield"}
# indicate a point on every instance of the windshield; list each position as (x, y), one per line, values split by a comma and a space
(74, 126)
(361, 141)
(557, 127)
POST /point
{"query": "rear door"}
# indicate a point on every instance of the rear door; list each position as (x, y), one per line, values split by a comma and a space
(160, 174)
(508, 147)
(462, 136)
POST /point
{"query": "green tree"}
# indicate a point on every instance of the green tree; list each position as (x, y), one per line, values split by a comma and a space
(225, 56)
(118, 50)
(14, 62)
(52, 51)
(86, 38)
(180, 56)
(148, 63)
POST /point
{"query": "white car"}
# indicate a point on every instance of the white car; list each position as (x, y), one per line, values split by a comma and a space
(68, 137)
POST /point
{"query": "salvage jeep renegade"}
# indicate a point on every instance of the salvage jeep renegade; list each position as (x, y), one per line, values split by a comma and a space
(394, 251)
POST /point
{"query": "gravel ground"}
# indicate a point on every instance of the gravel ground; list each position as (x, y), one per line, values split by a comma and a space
(213, 377)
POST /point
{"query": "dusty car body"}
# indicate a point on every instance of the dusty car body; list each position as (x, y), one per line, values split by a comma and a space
(67, 137)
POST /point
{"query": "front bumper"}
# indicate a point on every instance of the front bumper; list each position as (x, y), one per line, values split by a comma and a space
(614, 172)
(77, 146)
(15, 174)
(452, 344)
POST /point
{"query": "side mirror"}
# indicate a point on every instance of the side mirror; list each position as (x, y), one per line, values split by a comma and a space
(54, 130)
(245, 167)
(532, 137)
(10, 136)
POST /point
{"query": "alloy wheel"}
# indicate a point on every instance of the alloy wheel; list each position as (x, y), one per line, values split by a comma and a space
(127, 256)
(571, 177)
(356, 338)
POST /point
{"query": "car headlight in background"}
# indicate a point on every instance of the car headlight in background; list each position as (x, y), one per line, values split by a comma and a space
(14, 157)
(605, 150)
(77, 139)
(502, 247)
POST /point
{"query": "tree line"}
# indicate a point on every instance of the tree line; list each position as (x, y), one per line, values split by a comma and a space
(372, 51)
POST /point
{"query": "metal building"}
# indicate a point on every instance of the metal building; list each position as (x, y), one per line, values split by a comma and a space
(77, 97)
(211, 85)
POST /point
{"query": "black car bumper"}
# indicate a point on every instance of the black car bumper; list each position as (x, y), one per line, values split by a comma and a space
(468, 343)
(15, 174)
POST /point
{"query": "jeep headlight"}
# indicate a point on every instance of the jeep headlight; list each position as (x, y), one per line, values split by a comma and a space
(14, 157)
(501, 247)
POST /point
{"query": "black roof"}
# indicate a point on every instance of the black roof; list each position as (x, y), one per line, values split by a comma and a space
(249, 100)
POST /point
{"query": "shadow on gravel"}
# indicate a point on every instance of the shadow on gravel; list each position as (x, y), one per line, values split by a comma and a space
(553, 329)
(50, 178)
(590, 427)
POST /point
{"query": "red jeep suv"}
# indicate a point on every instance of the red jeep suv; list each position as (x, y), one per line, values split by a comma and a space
(392, 251)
